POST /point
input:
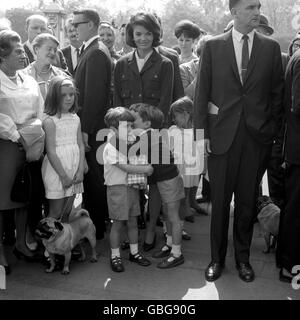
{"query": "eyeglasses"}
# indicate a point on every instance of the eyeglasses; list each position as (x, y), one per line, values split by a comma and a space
(76, 24)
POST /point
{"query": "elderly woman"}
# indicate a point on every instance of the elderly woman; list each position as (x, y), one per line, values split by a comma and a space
(187, 33)
(20, 102)
(43, 70)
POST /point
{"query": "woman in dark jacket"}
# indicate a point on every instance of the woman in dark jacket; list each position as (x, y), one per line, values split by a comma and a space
(144, 75)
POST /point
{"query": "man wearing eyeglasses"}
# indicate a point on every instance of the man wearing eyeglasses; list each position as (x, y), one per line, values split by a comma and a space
(93, 78)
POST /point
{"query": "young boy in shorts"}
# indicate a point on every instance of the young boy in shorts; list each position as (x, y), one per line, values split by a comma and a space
(123, 200)
(165, 178)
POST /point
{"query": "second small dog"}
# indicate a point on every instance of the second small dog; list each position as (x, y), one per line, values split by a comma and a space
(60, 238)
(268, 217)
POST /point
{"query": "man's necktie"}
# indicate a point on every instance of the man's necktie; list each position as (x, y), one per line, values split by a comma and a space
(245, 57)
(77, 54)
(82, 49)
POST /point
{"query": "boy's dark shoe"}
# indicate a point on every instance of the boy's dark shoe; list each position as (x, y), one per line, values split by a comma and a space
(116, 264)
(162, 253)
(171, 262)
(139, 259)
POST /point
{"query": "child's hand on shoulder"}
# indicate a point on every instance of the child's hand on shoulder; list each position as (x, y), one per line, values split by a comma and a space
(149, 170)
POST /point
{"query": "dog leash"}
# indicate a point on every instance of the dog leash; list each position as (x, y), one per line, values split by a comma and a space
(66, 208)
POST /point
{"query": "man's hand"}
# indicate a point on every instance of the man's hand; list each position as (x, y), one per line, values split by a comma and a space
(85, 138)
(207, 149)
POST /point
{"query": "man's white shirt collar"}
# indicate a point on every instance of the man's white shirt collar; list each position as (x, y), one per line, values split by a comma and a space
(238, 36)
(87, 43)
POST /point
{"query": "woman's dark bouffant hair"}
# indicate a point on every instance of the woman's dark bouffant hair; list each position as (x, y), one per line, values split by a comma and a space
(7, 37)
(188, 29)
(149, 22)
(53, 98)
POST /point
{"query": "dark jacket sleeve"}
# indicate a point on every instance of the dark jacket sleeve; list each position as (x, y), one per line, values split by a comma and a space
(295, 109)
(167, 74)
(117, 84)
(96, 91)
(277, 87)
(178, 86)
(202, 92)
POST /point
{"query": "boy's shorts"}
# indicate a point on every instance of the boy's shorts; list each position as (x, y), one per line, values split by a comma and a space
(123, 202)
(171, 190)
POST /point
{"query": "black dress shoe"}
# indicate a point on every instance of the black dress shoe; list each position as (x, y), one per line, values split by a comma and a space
(139, 259)
(246, 272)
(213, 271)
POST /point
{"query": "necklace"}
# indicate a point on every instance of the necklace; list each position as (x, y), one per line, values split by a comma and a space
(42, 72)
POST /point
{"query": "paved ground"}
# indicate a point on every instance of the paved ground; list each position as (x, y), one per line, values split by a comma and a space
(89, 281)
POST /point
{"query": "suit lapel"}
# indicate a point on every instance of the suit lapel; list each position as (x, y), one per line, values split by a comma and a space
(81, 58)
(133, 64)
(254, 54)
(231, 54)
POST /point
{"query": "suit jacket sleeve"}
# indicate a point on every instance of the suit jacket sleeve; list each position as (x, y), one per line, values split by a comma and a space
(117, 85)
(167, 73)
(202, 91)
(296, 88)
(96, 91)
(178, 87)
(277, 87)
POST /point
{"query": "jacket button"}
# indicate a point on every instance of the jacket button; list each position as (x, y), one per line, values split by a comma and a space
(140, 95)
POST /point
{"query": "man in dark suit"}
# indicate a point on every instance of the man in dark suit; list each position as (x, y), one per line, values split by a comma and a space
(238, 104)
(93, 79)
(288, 249)
(72, 51)
(35, 25)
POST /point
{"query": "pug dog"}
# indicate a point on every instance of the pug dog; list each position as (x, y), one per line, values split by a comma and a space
(60, 238)
(268, 218)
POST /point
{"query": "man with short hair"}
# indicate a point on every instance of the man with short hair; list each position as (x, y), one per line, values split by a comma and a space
(35, 25)
(72, 51)
(93, 79)
(238, 104)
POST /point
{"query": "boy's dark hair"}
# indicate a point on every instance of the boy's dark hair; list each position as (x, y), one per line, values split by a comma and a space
(233, 3)
(89, 14)
(149, 22)
(149, 113)
(53, 98)
(115, 115)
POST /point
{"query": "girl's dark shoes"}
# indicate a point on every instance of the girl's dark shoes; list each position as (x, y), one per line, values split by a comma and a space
(116, 264)
(139, 259)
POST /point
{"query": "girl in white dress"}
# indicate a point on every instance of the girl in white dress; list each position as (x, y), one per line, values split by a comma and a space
(63, 165)
(186, 155)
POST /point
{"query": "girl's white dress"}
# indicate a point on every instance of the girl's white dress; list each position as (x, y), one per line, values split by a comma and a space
(67, 150)
(187, 158)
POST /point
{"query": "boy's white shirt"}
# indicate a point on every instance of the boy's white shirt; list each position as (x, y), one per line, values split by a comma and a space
(112, 174)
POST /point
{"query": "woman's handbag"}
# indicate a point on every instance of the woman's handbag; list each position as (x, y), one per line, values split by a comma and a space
(21, 190)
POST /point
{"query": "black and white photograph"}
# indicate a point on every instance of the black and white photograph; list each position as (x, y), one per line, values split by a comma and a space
(149, 154)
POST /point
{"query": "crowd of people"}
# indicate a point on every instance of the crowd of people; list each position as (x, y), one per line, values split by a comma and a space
(230, 87)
